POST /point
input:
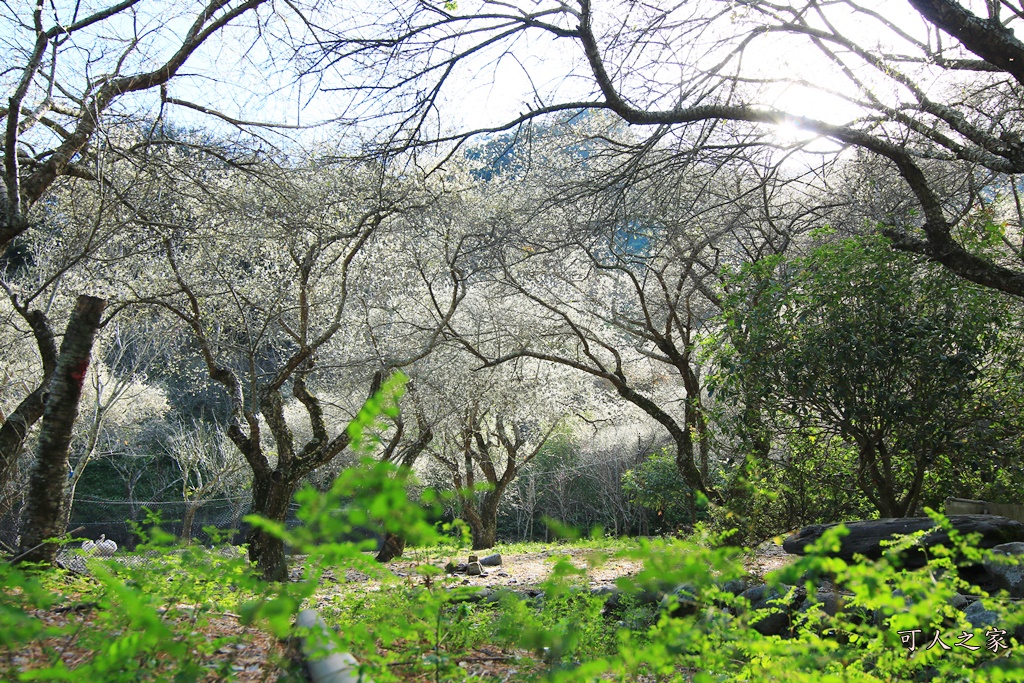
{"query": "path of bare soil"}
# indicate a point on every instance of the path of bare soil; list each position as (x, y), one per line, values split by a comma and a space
(524, 570)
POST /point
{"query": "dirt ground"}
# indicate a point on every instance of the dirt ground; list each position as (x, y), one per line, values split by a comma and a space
(525, 570)
(251, 656)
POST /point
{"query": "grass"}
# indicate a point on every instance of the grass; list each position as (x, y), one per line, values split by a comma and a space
(189, 615)
(172, 617)
(178, 614)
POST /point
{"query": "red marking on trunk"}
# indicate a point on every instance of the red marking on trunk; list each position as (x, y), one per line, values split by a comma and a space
(78, 374)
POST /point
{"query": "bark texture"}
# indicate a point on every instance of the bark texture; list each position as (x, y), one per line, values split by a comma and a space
(392, 547)
(394, 543)
(15, 428)
(46, 497)
(271, 496)
(486, 440)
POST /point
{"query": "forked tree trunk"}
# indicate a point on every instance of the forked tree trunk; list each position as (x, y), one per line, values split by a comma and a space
(485, 535)
(44, 518)
(394, 543)
(15, 428)
(483, 521)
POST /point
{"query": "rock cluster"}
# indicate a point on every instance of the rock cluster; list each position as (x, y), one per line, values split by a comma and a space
(782, 604)
(474, 566)
(867, 537)
(776, 610)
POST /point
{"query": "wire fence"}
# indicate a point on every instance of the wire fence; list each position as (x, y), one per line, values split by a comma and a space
(72, 557)
(127, 522)
(124, 520)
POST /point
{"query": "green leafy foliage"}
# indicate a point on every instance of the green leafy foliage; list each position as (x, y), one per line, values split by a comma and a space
(149, 618)
(144, 616)
(656, 487)
(856, 350)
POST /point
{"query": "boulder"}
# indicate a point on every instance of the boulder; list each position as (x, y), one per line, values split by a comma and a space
(1006, 575)
(491, 560)
(865, 537)
(680, 602)
(881, 615)
(734, 586)
(826, 601)
(474, 569)
(775, 603)
(979, 616)
(959, 602)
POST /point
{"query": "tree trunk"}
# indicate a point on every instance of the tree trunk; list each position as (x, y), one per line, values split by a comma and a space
(485, 530)
(187, 521)
(393, 546)
(44, 517)
(394, 543)
(271, 496)
(696, 422)
(485, 534)
(15, 428)
(12, 438)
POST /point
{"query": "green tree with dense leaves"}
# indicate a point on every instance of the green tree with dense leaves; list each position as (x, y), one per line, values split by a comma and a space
(881, 350)
(655, 486)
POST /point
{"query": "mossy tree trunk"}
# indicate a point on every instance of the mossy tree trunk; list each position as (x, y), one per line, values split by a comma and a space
(271, 496)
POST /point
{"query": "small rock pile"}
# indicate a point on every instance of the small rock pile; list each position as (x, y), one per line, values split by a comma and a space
(474, 566)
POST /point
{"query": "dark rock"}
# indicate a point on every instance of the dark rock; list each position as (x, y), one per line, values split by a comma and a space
(979, 616)
(865, 537)
(474, 569)
(958, 602)
(735, 586)
(482, 595)
(491, 560)
(881, 615)
(826, 601)
(719, 618)
(772, 623)
(1008, 576)
(754, 593)
(612, 600)
(775, 603)
(680, 602)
